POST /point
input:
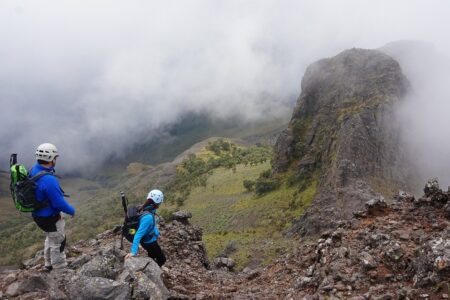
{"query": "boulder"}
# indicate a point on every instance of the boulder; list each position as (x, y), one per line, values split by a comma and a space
(303, 282)
(145, 288)
(105, 266)
(30, 284)
(13, 289)
(431, 187)
(79, 261)
(38, 259)
(376, 206)
(148, 267)
(367, 261)
(182, 216)
(83, 287)
(431, 262)
(404, 196)
(224, 262)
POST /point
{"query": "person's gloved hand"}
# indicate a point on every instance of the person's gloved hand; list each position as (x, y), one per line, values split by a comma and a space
(129, 255)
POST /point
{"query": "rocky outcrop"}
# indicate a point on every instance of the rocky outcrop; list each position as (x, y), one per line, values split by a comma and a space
(387, 251)
(97, 269)
(343, 135)
(396, 248)
(391, 249)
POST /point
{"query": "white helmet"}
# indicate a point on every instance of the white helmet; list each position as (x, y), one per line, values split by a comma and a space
(46, 152)
(156, 195)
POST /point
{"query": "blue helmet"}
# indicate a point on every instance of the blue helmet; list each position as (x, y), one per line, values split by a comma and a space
(156, 195)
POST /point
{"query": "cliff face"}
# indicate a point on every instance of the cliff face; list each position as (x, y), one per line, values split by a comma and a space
(343, 135)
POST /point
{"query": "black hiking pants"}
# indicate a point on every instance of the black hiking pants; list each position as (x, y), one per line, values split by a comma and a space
(154, 251)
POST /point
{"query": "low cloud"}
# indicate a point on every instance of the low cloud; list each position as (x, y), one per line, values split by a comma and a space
(97, 77)
(424, 113)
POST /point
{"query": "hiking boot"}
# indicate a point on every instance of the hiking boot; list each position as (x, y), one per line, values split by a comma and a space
(48, 269)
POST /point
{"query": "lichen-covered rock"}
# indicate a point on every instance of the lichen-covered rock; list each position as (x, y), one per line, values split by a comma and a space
(83, 287)
(147, 267)
(38, 259)
(56, 294)
(29, 284)
(431, 187)
(145, 288)
(137, 263)
(79, 261)
(13, 289)
(432, 261)
(224, 262)
(344, 128)
(182, 216)
(105, 266)
(97, 269)
(376, 206)
(367, 261)
(404, 196)
(433, 195)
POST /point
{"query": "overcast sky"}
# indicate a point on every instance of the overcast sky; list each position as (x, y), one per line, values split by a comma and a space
(94, 77)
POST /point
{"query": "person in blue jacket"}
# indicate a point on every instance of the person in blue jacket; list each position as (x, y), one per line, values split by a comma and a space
(49, 218)
(148, 233)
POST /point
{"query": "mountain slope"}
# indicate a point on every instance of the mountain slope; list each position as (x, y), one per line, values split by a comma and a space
(397, 251)
(99, 207)
(193, 128)
(343, 133)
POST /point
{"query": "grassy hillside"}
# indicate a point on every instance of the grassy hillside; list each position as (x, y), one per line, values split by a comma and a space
(196, 127)
(209, 183)
(239, 223)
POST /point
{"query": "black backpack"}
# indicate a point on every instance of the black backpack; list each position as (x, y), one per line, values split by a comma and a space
(131, 223)
(23, 187)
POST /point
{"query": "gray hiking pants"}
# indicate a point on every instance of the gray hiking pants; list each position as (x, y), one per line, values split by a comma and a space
(54, 246)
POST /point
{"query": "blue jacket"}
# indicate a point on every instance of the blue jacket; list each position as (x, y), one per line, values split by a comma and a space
(147, 232)
(48, 188)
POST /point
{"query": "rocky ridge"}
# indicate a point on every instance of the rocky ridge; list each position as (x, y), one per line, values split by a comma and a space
(97, 269)
(343, 136)
(396, 249)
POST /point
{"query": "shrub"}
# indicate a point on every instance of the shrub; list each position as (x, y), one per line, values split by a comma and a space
(249, 185)
(265, 185)
(265, 174)
(166, 214)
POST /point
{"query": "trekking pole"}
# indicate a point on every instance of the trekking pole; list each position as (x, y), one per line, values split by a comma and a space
(124, 205)
(13, 159)
(12, 162)
(124, 202)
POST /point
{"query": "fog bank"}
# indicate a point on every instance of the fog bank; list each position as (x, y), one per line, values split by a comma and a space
(97, 77)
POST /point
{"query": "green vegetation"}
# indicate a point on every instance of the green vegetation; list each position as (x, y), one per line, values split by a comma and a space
(209, 184)
(263, 184)
(228, 213)
(193, 128)
(194, 170)
(224, 205)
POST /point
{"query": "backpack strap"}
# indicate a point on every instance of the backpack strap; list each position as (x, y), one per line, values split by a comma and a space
(146, 212)
(41, 174)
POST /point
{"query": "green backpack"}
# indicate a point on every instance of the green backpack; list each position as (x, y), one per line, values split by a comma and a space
(23, 187)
